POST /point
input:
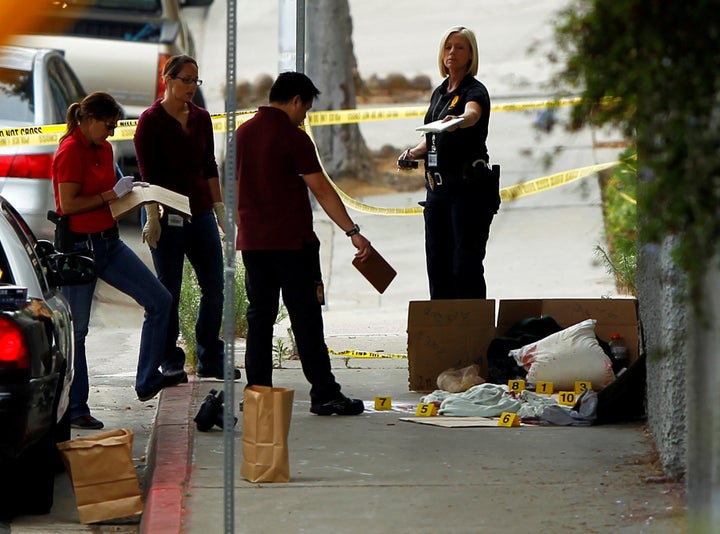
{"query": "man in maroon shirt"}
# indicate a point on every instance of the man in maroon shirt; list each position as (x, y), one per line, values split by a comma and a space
(276, 165)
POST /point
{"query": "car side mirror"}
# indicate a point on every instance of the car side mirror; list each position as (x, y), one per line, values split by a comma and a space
(70, 269)
(44, 248)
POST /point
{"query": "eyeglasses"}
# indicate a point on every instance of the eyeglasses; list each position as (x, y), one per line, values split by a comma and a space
(111, 125)
(187, 80)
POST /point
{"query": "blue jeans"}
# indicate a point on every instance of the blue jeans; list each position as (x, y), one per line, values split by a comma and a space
(120, 267)
(199, 240)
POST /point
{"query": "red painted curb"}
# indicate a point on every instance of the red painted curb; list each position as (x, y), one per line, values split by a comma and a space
(169, 462)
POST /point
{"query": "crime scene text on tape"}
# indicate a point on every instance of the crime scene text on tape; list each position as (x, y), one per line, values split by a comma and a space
(365, 354)
(50, 134)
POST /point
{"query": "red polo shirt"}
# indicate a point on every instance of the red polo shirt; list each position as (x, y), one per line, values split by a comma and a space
(92, 166)
(274, 211)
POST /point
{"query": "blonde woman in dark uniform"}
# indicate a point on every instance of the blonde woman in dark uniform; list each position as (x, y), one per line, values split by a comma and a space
(462, 191)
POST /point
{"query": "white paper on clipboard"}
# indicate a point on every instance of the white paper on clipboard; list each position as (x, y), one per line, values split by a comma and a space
(439, 126)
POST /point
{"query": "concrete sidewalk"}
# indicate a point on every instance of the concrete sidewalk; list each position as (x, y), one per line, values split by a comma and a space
(377, 473)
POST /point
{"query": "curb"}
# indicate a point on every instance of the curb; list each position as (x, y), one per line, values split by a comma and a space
(169, 461)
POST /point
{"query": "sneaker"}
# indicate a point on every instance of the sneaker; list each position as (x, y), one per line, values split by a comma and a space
(86, 422)
(219, 375)
(169, 378)
(341, 406)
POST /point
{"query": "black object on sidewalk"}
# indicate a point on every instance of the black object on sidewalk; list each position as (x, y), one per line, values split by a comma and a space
(211, 412)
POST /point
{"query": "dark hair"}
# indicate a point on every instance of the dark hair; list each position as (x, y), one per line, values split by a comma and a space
(98, 105)
(174, 65)
(288, 85)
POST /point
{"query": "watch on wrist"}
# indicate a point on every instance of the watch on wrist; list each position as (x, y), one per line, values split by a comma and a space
(354, 230)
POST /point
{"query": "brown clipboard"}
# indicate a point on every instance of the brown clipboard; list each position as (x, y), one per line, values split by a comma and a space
(376, 270)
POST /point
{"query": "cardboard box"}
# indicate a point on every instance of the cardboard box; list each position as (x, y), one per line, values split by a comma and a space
(456, 333)
(447, 333)
(612, 316)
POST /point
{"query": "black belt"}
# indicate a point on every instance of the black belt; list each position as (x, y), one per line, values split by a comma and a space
(109, 235)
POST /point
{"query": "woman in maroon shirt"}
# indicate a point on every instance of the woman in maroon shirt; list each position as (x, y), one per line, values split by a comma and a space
(175, 150)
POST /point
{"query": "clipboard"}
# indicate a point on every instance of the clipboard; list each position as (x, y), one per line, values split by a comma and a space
(172, 201)
(439, 125)
(376, 270)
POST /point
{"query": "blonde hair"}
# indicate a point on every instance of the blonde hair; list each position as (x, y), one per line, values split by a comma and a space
(470, 36)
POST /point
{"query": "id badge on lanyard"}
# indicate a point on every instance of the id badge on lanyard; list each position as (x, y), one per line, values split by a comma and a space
(432, 153)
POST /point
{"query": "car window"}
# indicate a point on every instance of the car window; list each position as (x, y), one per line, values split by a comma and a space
(5, 274)
(16, 95)
(64, 87)
(27, 241)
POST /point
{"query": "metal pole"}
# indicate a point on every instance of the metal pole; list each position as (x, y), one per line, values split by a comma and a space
(300, 36)
(229, 188)
(286, 35)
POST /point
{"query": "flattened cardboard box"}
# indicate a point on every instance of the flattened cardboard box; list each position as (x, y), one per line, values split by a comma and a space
(447, 333)
(456, 333)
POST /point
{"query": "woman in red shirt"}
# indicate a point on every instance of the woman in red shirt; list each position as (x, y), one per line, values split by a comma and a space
(84, 183)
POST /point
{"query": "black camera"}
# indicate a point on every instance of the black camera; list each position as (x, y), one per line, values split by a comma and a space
(408, 164)
(211, 412)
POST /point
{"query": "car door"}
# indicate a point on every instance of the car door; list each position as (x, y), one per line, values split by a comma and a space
(19, 246)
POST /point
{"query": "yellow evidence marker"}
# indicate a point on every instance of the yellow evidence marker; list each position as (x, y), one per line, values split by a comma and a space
(426, 409)
(567, 398)
(383, 403)
(544, 388)
(509, 419)
(581, 385)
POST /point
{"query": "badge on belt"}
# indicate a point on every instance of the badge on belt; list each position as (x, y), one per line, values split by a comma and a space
(434, 179)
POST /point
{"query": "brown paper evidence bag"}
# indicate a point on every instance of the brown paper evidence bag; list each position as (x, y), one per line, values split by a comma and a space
(103, 475)
(267, 412)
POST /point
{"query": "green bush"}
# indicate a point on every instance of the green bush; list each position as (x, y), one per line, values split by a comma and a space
(190, 302)
(619, 192)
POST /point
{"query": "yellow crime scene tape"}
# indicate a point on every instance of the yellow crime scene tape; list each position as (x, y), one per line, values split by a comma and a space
(506, 193)
(50, 135)
(364, 354)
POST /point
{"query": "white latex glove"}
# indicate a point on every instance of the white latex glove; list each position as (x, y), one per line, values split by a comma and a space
(123, 186)
(219, 209)
(151, 230)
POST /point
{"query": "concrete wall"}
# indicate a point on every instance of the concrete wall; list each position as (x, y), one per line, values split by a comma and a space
(664, 324)
(703, 402)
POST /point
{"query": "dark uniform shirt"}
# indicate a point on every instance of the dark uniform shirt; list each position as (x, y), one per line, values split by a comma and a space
(175, 159)
(463, 145)
(274, 211)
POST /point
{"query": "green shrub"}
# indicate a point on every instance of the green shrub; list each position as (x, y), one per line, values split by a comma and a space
(190, 303)
(619, 192)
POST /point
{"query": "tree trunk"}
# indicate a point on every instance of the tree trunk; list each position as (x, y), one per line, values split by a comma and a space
(332, 66)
